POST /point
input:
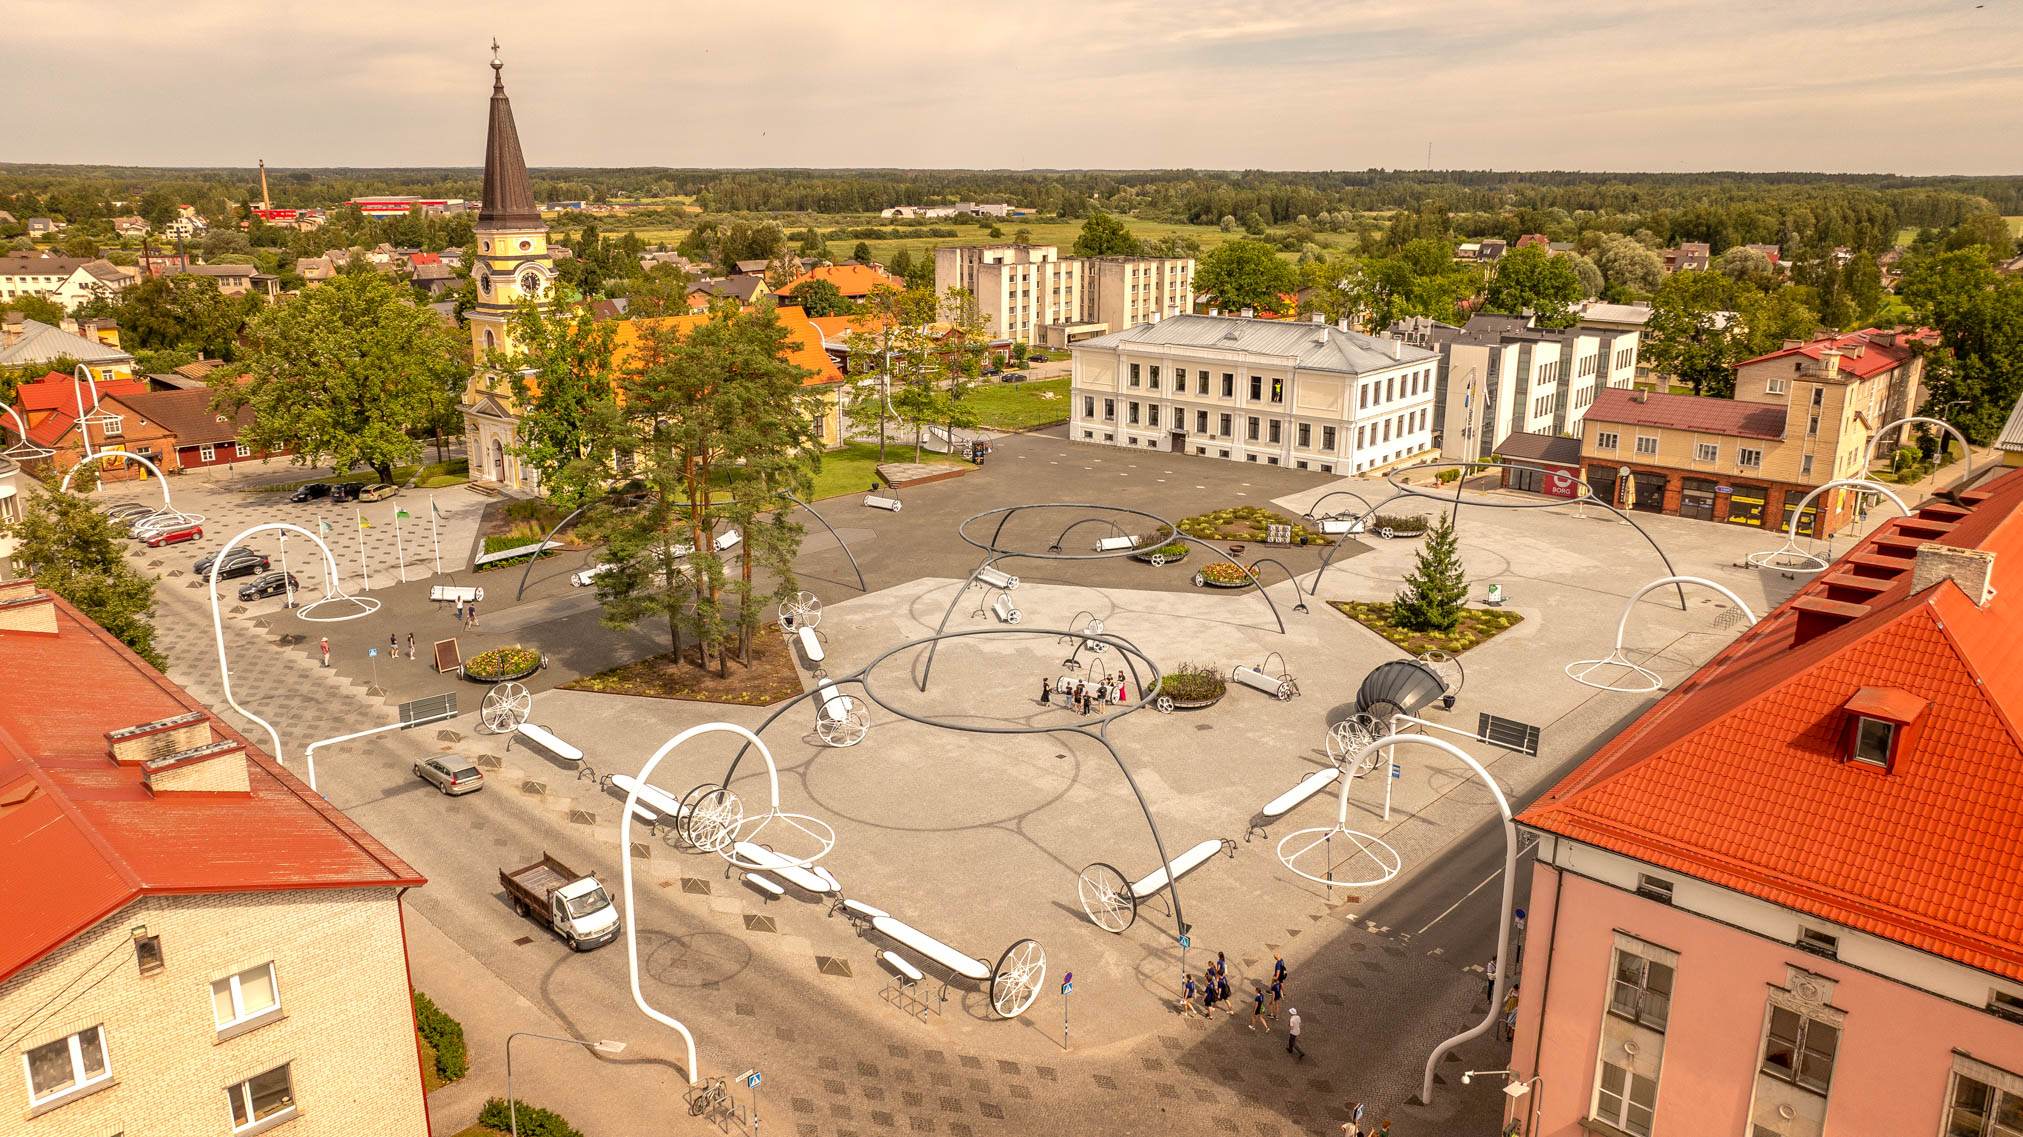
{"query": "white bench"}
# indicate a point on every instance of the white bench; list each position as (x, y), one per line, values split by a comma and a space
(665, 811)
(905, 987)
(765, 884)
(1185, 863)
(897, 962)
(811, 644)
(586, 577)
(727, 540)
(1338, 526)
(1115, 544)
(940, 954)
(450, 593)
(1003, 610)
(544, 739)
(889, 504)
(811, 879)
(993, 577)
(1111, 902)
(1257, 680)
(857, 912)
(1307, 787)
(835, 704)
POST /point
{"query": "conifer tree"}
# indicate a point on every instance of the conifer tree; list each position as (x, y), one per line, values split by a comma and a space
(1437, 589)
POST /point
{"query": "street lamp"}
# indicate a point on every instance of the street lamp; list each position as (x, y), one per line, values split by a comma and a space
(512, 1108)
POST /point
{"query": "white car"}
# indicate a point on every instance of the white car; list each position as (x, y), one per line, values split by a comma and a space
(725, 541)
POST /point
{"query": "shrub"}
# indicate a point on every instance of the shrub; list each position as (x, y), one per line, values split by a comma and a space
(1191, 684)
(445, 1035)
(501, 661)
(1176, 549)
(1445, 476)
(1400, 524)
(533, 1120)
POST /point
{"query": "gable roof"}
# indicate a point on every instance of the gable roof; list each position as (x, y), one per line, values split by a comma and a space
(188, 416)
(2011, 438)
(836, 329)
(42, 343)
(1541, 448)
(1867, 352)
(1315, 347)
(58, 391)
(852, 280)
(84, 837)
(1735, 778)
(1687, 412)
(805, 348)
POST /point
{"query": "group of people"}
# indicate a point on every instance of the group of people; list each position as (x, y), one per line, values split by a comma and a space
(1086, 696)
(1213, 988)
(467, 611)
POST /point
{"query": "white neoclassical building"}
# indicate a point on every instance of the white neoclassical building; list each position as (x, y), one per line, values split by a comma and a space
(1311, 396)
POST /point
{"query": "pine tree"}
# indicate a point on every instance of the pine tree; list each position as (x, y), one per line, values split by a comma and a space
(1437, 589)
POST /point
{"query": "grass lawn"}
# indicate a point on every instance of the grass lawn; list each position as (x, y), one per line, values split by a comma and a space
(1244, 523)
(853, 467)
(1020, 406)
(435, 475)
(1478, 625)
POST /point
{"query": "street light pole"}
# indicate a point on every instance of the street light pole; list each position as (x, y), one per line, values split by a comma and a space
(512, 1108)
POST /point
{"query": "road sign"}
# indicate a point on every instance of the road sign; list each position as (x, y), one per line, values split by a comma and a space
(1397, 771)
(1184, 942)
(1067, 982)
(372, 653)
(752, 1080)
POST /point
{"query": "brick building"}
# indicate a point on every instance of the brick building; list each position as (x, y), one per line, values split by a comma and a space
(195, 942)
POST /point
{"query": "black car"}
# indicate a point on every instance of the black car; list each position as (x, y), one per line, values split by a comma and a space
(241, 562)
(1014, 377)
(346, 491)
(269, 584)
(310, 492)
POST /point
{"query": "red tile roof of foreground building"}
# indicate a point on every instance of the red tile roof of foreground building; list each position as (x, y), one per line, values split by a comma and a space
(1867, 352)
(1740, 776)
(1688, 412)
(850, 279)
(82, 836)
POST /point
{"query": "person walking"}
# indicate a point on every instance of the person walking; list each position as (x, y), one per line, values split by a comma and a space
(471, 612)
(1292, 1029)
(1222, 991)
(326, 651)
(1257, 1009)
(1220, 968)
(1353, 1127)
(1277, 967)
(1208, 999)
(1489, 990)
(393, 645)
(460, 611)
(1277, 993)
(1187, 997)
(1046, 692)
(410, 645)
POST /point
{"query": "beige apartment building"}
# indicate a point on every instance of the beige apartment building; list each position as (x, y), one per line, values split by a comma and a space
(195, 943)
(1311, 396)
(1122, 292)
(1032, 294)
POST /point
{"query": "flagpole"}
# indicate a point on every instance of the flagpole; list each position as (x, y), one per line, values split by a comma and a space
(432, 534)
(399, 550)
(364, 569)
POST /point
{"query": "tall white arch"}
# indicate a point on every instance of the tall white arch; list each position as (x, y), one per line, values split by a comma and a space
(1647, 679)
(1813, 562)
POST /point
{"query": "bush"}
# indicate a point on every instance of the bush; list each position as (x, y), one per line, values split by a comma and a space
(1445, 476)
(533, 1120)
(445, 1035)
(1399, 524)
(501, 661)
(1222, 572)
(1191, 684)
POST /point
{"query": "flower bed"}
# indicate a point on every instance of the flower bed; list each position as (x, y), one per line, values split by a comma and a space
(1222, 574)
(1477, 626)
(1393, 526)
(503, 664)
(1245, 523)
(1164, 554)
(1191, 687)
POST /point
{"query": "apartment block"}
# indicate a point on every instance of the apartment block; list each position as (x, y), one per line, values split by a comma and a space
(1501, 376)
(1122, 292)
(1033, 294)
(1300, 394)
(197, 943)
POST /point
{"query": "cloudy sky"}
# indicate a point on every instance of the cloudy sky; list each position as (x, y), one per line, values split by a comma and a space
(1910, 86)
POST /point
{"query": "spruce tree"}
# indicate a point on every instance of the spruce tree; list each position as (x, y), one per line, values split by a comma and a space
(1437, 589)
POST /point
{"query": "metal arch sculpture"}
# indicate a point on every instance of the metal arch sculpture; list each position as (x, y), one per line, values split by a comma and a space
(1966, 448)
(1313, 511)
(1647, 679)
(844, 545)
(1812, 562)
(713, 819)
(1299, 598)
(367, 606)
(993, 553)
(1062, 539)
(25, 450)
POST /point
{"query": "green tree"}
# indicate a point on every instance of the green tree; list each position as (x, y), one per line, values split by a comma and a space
(1628, 264)
(1531, 279)
(1975, 374)
(1436, 590)
(1687, 337)
(1986, 228)
(346, 372)
(1104, 236)
(73, 550)
(561, 373)
(820, 297)
(78, 245)
(39, 308)
(1591, 281)
(182, 313)
(1744, 265)
(1253, 224)
(1227, 224)
(1022, 236)
(862, 253)
(1245, 274)
(890, 358)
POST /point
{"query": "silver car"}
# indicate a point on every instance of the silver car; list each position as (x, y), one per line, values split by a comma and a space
(452, 776)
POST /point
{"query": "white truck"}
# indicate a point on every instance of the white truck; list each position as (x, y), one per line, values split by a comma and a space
(574, 905)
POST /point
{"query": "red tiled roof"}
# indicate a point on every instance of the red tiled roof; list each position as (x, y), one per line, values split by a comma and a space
(850, 279)
(1878, 352)
(1736, 778)
(58, 391)
(81, 837)
(1688, 412)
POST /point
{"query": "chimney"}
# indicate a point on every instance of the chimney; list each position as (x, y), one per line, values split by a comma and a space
(150, 740)
(1972, 569)
(214, 767)
(1829, 363)
(12, 328)
(1789, 344)
(69, 325)
(1397, 347)
(1247, 313)
(1318, 318)
(1640, 395)
(1213, 312)
(1343, 324)
(1155, 318)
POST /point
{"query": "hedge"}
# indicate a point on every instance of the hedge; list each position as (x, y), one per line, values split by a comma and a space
(533, 1120)
(443, 1033)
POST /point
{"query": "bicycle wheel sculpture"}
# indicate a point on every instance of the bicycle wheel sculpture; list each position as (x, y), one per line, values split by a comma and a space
(1015, 981)
(1350, 735)
(847, 730)
(710, 817)
(803, 609)
(1163, 704)
(1448, 669)
(506, 706)
(1106, 897)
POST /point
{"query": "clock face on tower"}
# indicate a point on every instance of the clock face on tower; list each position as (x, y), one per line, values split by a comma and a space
(531, 284)
(485, 284)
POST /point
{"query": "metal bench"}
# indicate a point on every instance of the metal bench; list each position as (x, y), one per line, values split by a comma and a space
(1013, 983)
(993, 577)
(1339, 526)
(542, 739)
(1286, 802)
(585, 577)
(767, 885)
(1115, 544)
(1003, 610)
(1281, 686)
(811, 647)
(838, 719)
(727, 540)
(889, 504)
(816, 881)
(903, 991)
(451, 593)
(858, 912)
(1111, 901)
(665, 810)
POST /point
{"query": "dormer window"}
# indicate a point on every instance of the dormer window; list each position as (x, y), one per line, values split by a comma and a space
(1883, 724)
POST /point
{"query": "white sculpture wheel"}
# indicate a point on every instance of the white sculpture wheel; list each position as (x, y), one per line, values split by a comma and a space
(506, 706)
(1349, 736)
(1015, 981)
(802, 609)
(1106, 897)
(1364, 849)
(848, 730)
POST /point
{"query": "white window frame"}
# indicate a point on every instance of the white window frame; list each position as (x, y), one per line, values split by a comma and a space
(79, 1082)
(240, 1097)
(1706, 452)
(1775, 387)
(1651, 449)
(1744, 460)
(1642, 988)
(1607, 439)
(112, 425)
(1997, 1081)
(239, 1013)
(207, 453)
(1625, 1102)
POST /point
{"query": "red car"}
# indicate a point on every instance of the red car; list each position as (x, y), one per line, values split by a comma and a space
(175, 536)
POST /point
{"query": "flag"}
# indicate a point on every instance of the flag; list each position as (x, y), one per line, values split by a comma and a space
(364, 524)
(403, 513)
(322, 526)
(432, 506)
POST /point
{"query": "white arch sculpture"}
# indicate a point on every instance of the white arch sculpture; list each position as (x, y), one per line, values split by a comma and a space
(24, 450)
(1812, 562)
(1649, 680)
(1966, 448)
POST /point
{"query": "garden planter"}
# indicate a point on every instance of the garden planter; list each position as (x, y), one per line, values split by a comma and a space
(503, 665)
(1163, 556)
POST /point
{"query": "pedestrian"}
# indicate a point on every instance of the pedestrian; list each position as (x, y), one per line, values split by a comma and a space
(460, 611)
(1277, 993)
(1257, 1009)
(1383, 1129)
(1120, 687)
(1046, 692)
(1292, 1028)
(1220, 969)
(1222, 991)
(1208, 999)
(393, 645)
(410, 645)
(1489, 992)
(1277, 968)
(326, 651)
(472, 612)
(1353, 1127)
(1509, 1024)
(1187, 996)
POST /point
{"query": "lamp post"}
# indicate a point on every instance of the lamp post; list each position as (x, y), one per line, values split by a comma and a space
(512, 1108)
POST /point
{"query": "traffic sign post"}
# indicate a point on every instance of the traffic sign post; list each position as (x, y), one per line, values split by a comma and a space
(1067, 986)
(751, 1081)
(372, 653)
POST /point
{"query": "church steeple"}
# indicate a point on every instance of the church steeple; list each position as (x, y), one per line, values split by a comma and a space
(508, 194)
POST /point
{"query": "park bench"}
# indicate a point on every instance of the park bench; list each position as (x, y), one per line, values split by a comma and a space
(889, 504)
(1281, 687)
(585, 577)
(1011, 985)
(858, 912)
(1291, 799)
(727, 540)
(838, 719)
(665, 810)
(1003, 610)
(765, 884)
(542, 739)
(1339, 526)
(1115, 544)
(1111, 901)
(991, 576)
(494, 557)
(903, 991)
(814, 880)
(451, 593)
(811, 646)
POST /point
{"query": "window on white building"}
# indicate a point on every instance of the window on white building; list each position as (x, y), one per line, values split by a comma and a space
(1228, 385)
(1201, 382)
(1328, 439)
(268, 1097)
(1748, 458)
(1088, 406)
(1306, 436)
(1134, 375)
(1641, 990)
(1110, 410)
(1276, 427)
(1152, 414)
(66, 1065)
(1250, 428)
(1256, 388)
(249, 994)
(1201, 419)
(1226, 428)
(1277, 390)
(1133, 409)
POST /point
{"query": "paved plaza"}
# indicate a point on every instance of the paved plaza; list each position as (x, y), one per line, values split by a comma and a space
(978, 839)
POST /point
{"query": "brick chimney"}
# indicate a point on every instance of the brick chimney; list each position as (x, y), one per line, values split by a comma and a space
(1972, 569)
(1829, 363)
(1640, 395)
(12, 327)
(214, 767)
(69, 325)
(151, 740)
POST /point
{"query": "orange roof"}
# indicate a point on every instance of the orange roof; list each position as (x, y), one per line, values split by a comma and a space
(1878, 351)
(835, 328)
(805, 348)
(851, 280)
(1737, 776)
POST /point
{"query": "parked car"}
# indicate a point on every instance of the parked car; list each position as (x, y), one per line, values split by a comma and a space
(310, 492)
(1014, 377)
(241, 562)
(269, 584)
(346, 491)
(174, 535)
(126, 511)
(574, 905)
(453, 776)
(147, 525)
(378, 491)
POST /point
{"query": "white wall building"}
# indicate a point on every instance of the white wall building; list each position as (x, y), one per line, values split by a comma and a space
(1311, 396)
(1019, 289)
(68, 281)
(1500, 376)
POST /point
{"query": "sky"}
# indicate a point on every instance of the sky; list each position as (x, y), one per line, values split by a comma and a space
(1865, 86)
